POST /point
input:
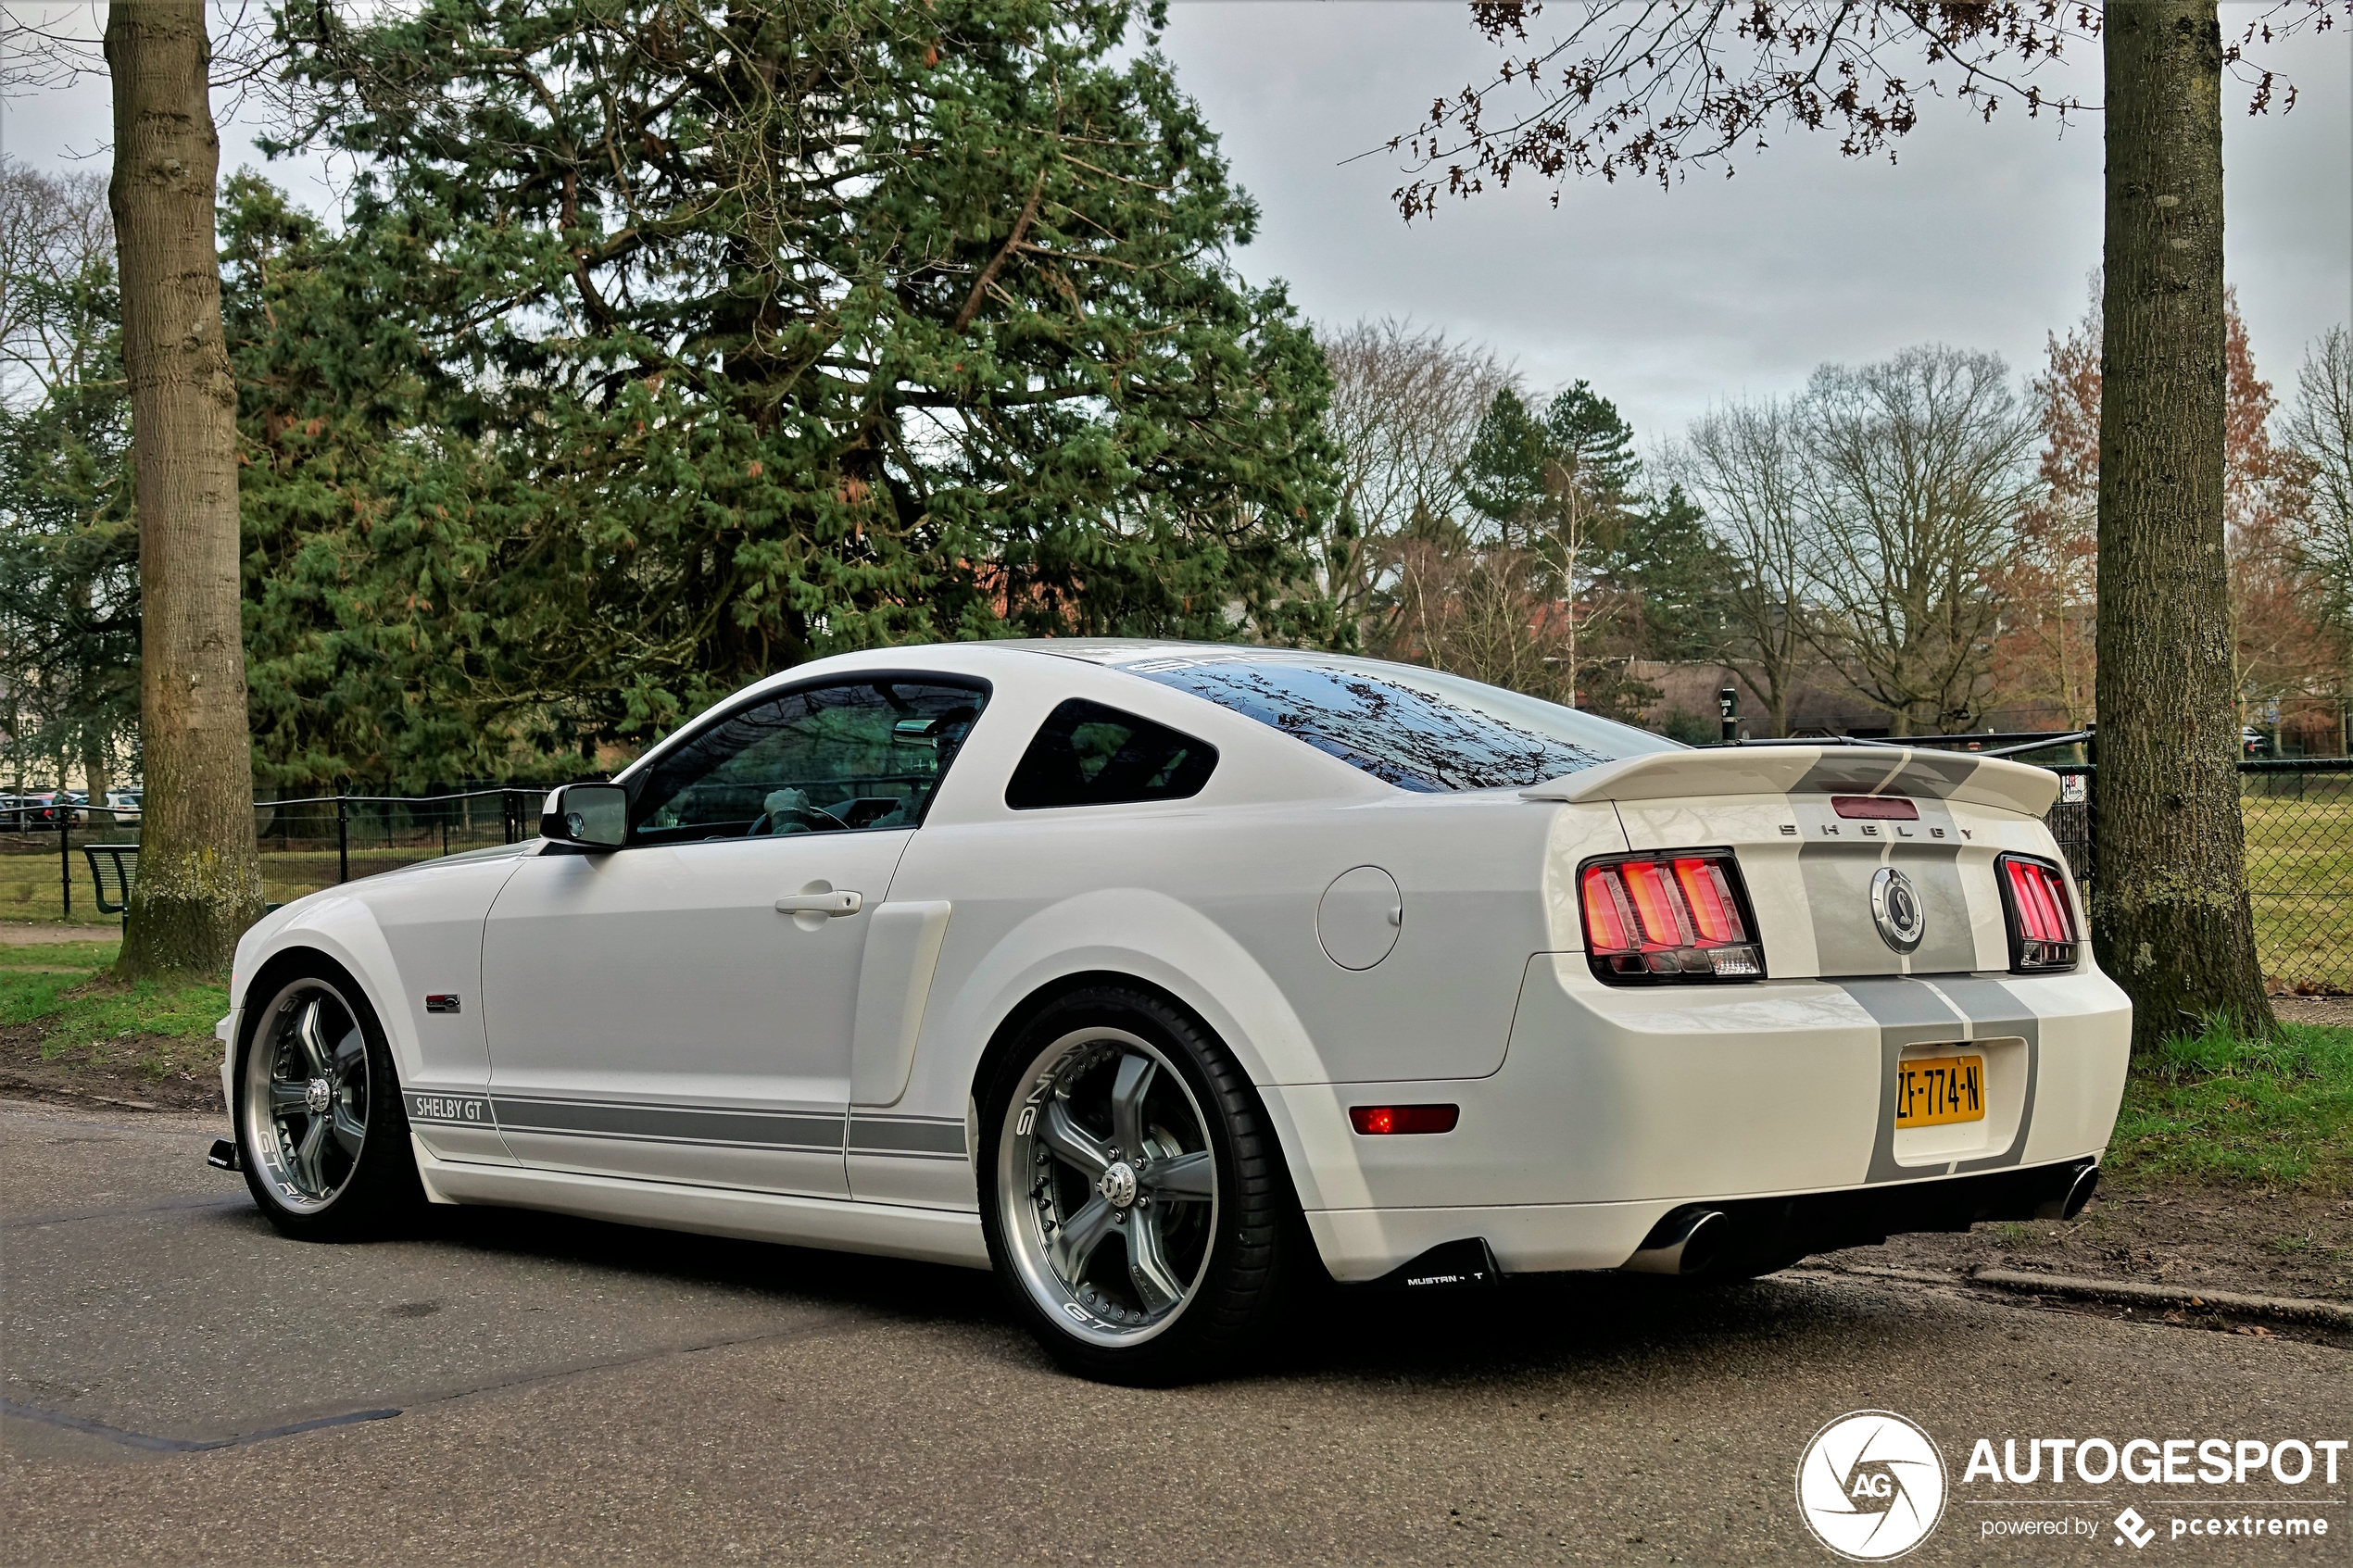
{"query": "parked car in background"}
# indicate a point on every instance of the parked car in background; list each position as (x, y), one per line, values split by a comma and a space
(1163, 979)
(125, 800)
(40, 810)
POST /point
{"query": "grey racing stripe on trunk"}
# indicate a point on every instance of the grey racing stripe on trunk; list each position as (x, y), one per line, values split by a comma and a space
(1936, 773)
(920, 1137)
(1848, 772)
(1955, 1008)
(1837, 876)
(672, 1124)
(1995, 1013)
(1908, 1014)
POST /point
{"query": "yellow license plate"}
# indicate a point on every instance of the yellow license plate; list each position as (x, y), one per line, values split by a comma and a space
(1931, 1091)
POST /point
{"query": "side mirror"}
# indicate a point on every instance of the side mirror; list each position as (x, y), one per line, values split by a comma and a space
(595, 816)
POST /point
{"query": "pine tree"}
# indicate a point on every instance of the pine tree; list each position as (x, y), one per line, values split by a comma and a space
(736, 335)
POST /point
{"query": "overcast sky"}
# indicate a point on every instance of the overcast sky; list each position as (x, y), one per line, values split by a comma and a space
(1981, 236)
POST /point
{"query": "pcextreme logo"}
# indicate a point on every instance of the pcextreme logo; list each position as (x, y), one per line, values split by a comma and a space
(1871, 1485)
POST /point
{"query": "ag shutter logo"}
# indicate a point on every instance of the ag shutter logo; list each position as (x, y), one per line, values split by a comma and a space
(1871, 1485)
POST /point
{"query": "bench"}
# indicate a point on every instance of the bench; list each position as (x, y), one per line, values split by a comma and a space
(120, 862)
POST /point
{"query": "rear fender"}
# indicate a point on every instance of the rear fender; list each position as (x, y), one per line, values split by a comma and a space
(1152, 938)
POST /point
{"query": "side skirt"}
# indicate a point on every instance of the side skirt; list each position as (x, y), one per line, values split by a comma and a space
(931, 1236)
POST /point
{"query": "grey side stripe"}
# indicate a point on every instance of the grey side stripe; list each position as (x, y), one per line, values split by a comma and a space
(919, 1137)
(1952, 1007)
(672, 1124)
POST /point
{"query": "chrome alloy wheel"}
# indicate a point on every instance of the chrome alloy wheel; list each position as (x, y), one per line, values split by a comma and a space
(306, 1096)
(1107, 1186)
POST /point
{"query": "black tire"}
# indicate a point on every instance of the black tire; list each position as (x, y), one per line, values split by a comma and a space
(363, 1195)
(1253, 1247)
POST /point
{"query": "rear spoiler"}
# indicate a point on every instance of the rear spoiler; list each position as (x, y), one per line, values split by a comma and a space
(1811, 770)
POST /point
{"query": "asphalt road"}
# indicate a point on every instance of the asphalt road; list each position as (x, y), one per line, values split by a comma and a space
(572, 1392)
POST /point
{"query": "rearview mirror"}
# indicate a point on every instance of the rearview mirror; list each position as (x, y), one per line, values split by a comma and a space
(595, 816)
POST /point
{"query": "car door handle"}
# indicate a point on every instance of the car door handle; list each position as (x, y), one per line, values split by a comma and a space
(836, 904)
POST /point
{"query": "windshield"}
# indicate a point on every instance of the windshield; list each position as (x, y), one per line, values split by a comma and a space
(1417, 729)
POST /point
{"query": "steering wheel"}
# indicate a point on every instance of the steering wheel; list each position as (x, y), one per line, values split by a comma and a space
(796, 818)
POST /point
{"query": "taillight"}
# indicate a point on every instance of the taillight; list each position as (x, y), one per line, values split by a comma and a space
(1679, 916)
(2042, 919)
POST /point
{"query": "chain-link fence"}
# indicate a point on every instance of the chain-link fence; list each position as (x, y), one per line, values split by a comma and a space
(2300, 862)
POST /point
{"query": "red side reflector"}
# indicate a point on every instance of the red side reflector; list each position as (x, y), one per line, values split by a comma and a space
(1880, 807)
(1377, 1120)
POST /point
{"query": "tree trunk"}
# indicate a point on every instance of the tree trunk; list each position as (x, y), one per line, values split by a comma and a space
(2170, 914)
(199, 883)
(97, 780)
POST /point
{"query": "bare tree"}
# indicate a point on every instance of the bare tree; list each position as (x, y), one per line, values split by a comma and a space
(52, 229)
(1405, 403)
(1916, 474)
(67, 599)
(1657, 88)
(1744, 465)
(2318, 434)
(2049, 588)
(1480, 610)
(199, 881)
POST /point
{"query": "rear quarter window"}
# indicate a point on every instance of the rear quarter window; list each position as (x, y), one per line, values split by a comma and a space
(1088, 754)
(1419, 729)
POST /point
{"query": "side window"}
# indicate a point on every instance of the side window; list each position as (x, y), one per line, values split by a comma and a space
(1089, 755)
(826, 759)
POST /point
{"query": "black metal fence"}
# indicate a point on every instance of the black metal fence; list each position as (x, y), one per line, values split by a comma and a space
(2298, 815)
(307, 842)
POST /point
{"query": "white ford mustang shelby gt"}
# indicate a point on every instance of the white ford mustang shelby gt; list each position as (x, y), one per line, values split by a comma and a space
(1158, 977)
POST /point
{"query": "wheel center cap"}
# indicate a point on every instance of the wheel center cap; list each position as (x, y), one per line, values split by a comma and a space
(1118, 1185)
(319, 1097)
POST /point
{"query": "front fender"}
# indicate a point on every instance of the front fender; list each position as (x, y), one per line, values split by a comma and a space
(346, 929)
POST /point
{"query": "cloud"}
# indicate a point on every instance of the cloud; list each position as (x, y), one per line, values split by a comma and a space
(1981, 236)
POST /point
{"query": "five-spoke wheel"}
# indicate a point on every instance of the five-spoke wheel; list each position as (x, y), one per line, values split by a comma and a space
(306, 1095)
(318, 1106)
(1136, 1210)
(1109, 1187)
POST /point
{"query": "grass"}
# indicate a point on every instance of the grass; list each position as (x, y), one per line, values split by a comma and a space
(2216, 1107)
(29, 884)
(85, 1017)
(2299, 870)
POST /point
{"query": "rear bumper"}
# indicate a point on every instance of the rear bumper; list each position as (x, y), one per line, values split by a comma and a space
(1362, 1245)
(1614, 1107)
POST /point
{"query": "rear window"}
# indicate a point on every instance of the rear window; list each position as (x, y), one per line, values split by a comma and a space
(1085, 754)
(1416, 729)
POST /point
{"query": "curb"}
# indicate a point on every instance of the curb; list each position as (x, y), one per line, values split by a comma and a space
(2289, 1308)
(26, 1088)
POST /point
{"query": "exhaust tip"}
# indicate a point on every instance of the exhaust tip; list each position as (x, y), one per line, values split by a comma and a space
(223, 1156)
(1684, 1244)
(2079, 1192)
(2069, 1201)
